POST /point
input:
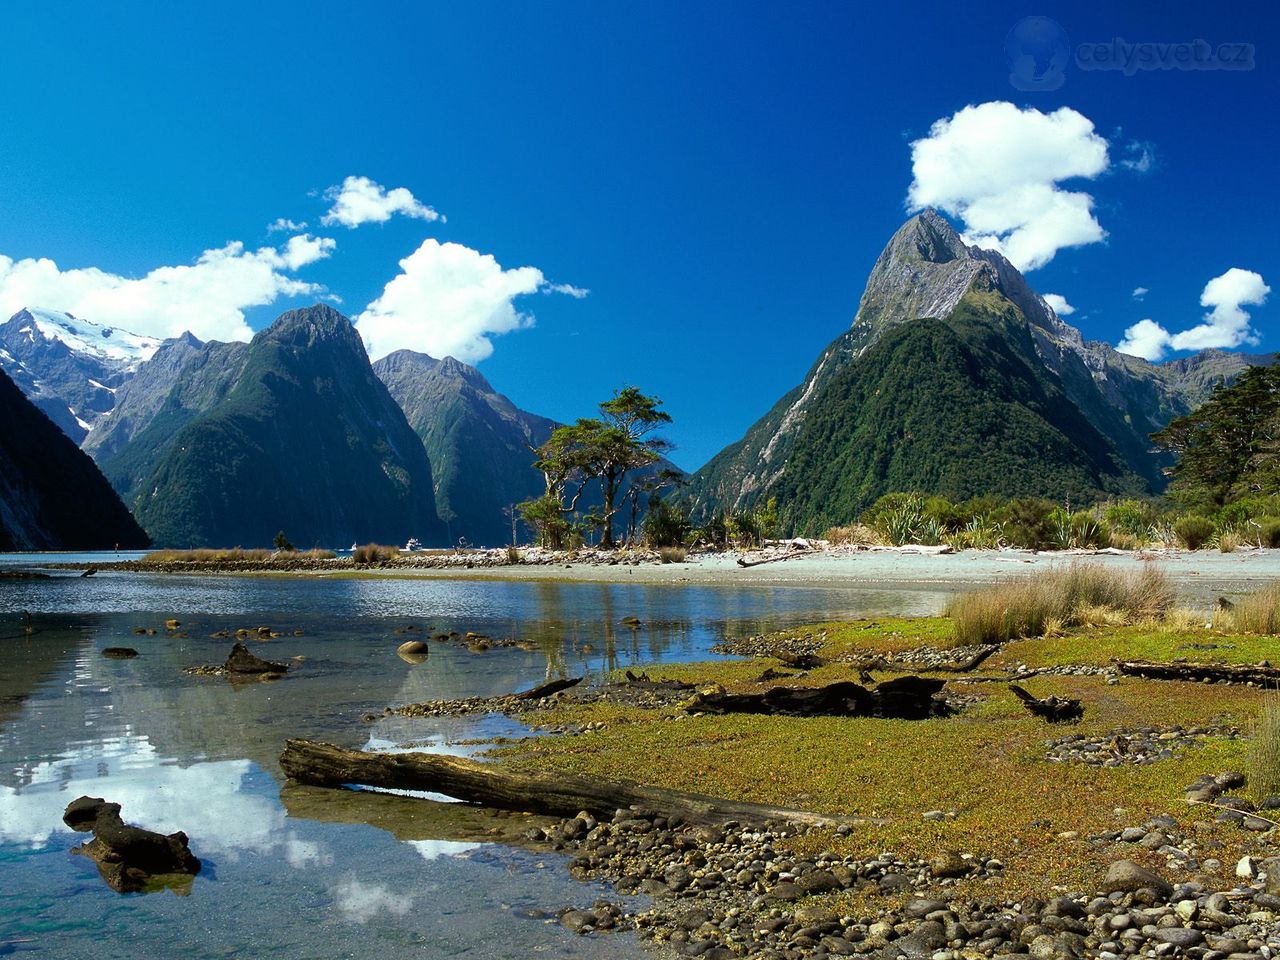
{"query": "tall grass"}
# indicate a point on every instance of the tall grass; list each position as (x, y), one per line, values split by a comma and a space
(373, 553)
(672, 554)
(1063, 597)
(1258, 612)
(1263, 763)
(234, 555)
(854, 534)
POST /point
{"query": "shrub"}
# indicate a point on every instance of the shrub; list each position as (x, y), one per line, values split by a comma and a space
(1258, 612)
(1133, 517)
(281, 542)
(1229, 541)
(513, 555)
(980, 533)
(855, 534)
(1269, 532)
(664, 525)
(1263, 763)
(1028, 523)
(372, 554)
(672, 554)
(1063, 597)
(1078, 530)
(1193, 531)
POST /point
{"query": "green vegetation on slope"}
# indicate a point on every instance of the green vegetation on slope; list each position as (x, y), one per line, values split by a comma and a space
(956, 407)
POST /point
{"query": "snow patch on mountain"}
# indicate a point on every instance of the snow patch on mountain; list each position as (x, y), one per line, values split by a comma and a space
(110, 344)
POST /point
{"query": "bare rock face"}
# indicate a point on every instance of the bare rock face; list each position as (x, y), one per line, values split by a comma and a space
(130, 859)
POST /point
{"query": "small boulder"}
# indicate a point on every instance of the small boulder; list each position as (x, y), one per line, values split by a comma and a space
(130, 859)
(1125, 876)
(413, 651)
(119, 653)
(240, 660)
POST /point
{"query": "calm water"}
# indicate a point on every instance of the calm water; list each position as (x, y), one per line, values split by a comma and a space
(296, 874)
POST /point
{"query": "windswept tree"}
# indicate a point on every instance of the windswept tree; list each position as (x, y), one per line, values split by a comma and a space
(1228, 447)
(606, 449)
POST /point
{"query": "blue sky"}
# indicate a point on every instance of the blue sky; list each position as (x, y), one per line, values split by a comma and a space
(719, 176)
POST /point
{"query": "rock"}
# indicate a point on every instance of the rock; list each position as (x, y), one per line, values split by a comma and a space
(119, 653)
(577, 920)
(1245, 868)
(240, 660)
(949, 864)
(413, 651)
(130, 859)
(1182, 937)
(919, 908)
(1125, 876)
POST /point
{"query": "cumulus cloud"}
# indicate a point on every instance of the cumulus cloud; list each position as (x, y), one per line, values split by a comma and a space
(998, 168)
(362, 901)
(1059, 304)
(359, 200)
(1140, 292)
(447, 301)
(285, 225)
(207, 297)
(1225, 325)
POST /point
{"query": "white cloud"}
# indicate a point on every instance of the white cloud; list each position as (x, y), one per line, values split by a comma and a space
(285, 225)
(1225, 325)
(207, 297)
(1140, 292)
(1059, 304)
(363, 901)
(1139, 157)
(568, 289)
(359, 200)
(1146, 339)
(447, 301)
(998, 168)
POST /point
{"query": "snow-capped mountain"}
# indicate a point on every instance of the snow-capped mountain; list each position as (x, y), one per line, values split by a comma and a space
(69, 367)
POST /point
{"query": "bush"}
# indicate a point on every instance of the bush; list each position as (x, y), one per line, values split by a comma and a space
(513, 555)
(1134, 517)
(373, 553)
(1062, 596)
(855, 534)
(1229, 541)
(1258, 612)
(1269, 532)
(664, 525)
(1193, 531)
(1263, 763)
(672, 554)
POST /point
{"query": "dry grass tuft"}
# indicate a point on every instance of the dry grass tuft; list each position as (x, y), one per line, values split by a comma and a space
(234, 555)
(855, 535)
(1071, 596)
(1258, 612)
(371, 554)
(1263, 763)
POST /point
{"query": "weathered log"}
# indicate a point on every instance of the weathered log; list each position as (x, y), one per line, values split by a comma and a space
(548, 688)
(744, 562)
(557, 793)
(903, 698)
(1053, 709)
(798, 661)
(130, 859)
(1260, 673)
(642, 681)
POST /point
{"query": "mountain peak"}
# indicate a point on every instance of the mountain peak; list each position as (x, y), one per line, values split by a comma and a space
(111, 345)
(928, 236)
(308, 326)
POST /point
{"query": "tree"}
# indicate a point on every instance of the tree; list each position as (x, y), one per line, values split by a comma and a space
(606, 449)
(282, 542)
(1227, 447)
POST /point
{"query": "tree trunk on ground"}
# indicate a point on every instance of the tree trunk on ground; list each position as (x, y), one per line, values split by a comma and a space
(540, 791)
(1259, 673)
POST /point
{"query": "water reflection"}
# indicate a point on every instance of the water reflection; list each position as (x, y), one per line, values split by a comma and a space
(362, 874)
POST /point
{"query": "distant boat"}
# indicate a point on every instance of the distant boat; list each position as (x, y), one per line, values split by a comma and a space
(413, 544)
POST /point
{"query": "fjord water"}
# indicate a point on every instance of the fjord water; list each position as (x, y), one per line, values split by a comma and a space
(281, 876)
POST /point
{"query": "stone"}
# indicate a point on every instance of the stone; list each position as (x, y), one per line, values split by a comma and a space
(413, 651)
(119, 653)
(1125, 876)
(949, 864)
(1182, 937)
(130, 859)
(241, 660)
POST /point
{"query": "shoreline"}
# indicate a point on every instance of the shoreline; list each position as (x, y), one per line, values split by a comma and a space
(870, 568)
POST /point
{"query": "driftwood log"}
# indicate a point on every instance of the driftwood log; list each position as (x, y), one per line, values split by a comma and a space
(131, 859)
(903, 698)
(1053, 709)
(556, 793)
(548, 688)
(744, 562)
(1261, 673)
